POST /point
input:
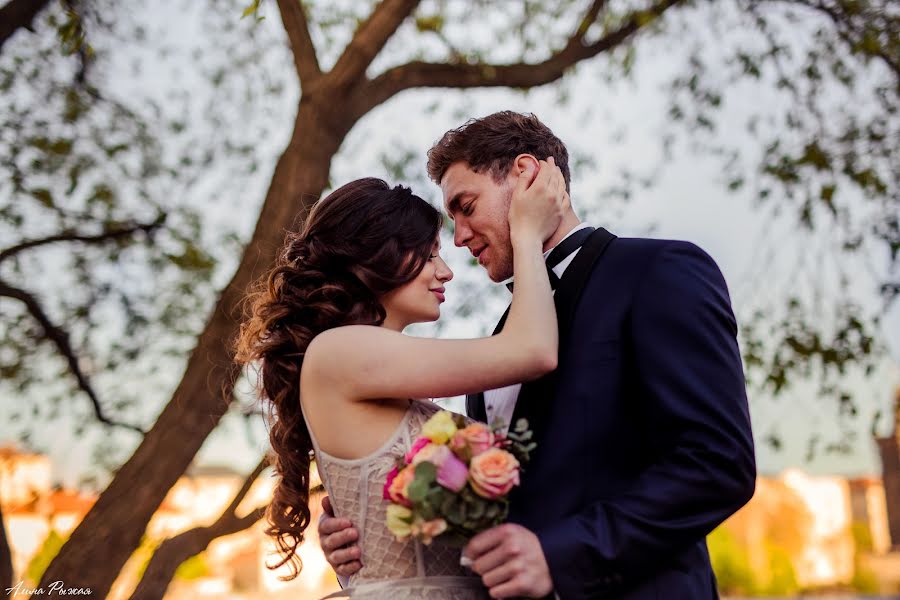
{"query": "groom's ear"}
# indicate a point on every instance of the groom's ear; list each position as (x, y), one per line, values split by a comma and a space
(525, 163)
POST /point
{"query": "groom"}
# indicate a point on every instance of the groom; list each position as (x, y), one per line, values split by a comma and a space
(643, 432)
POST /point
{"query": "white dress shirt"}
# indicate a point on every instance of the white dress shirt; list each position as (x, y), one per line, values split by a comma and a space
(500, 403)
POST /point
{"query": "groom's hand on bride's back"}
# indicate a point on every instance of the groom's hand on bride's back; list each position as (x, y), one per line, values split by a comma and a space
(338, 540)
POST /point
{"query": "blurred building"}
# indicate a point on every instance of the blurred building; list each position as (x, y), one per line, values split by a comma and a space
(232, 567)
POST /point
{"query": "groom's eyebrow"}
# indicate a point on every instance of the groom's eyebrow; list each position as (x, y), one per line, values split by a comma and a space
(453, 204)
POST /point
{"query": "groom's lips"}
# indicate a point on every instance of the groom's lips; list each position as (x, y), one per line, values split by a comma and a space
(477, 254)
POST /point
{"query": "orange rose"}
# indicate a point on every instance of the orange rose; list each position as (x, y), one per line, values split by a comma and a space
(493, 473)
(472, 440)
(428, 530)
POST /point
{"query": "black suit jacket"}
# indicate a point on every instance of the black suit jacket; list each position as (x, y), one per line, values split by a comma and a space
(643, 431)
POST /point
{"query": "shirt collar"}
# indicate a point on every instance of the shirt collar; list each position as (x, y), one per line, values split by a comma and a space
(563, 263)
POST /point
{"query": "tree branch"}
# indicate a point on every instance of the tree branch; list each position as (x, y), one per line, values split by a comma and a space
(18, 14)
(248, 483)
(110, 234)
(517, 75)
(60, 338)
(844, 25)
(175, 550)
(293, 15)
(589, 18)
(369, 39)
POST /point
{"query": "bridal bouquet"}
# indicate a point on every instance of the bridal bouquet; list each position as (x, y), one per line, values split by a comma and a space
(455, 479)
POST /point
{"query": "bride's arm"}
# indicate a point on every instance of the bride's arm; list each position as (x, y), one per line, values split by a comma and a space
(366, 362)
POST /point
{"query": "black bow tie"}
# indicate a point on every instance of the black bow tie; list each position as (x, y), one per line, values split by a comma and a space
(560, 252)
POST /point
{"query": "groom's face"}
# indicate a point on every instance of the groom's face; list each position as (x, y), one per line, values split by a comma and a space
(479, 208)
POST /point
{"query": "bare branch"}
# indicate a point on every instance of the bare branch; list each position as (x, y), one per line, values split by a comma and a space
(18, 14)
(112, 233)
(293, 15)
(175, 550)
(518, 75)
(369, 39)
(60, 338)
(589, 18)
(248, 483)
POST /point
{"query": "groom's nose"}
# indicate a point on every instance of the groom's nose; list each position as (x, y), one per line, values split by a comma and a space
(461, 232)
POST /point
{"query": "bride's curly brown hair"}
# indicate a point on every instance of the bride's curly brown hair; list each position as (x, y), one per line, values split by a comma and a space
(360, 242)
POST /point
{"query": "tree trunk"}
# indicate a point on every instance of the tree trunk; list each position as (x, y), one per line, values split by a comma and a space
(6, 569)
(113, 528)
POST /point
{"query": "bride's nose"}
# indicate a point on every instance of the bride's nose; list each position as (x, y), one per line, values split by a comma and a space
(443, 272)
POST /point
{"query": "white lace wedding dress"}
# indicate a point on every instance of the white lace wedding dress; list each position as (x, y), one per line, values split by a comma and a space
(392, 570)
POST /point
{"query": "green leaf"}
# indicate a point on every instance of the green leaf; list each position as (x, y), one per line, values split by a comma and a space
(43, 196)
(417, 491)
(432, 23)
(426, 471)
(251, 9)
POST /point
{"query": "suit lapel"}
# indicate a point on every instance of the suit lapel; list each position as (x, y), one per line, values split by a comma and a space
(536, 396)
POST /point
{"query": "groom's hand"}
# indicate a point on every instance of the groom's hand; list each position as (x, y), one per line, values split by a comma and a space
(511, 562)
(338, 540)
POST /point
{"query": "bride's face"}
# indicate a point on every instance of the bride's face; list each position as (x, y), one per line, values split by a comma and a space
(420, 299)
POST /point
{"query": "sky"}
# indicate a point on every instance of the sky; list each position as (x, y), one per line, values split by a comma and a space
(612, 127)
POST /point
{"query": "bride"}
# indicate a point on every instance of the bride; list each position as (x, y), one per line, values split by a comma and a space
(342, 380)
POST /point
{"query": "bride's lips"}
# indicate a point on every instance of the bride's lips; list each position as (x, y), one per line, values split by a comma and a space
(439, 292)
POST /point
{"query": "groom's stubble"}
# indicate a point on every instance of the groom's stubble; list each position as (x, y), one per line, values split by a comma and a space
(504, 261)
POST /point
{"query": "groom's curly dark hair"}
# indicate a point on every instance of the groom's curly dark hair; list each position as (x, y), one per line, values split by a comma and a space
(491, 144)
(362, 241)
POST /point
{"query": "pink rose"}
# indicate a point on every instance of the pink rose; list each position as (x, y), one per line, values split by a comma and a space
(472, 440)
(396, 490)
(493, 473)
(417, 445)
(451, 472)
(387, 484)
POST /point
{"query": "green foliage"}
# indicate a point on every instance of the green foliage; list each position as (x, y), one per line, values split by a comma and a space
(735, 574)
(864, 581)
(195, 567)
(84, 158)
(862, 536)
(253, 10)
(782, 580)
(731, 563)
(47, 552)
